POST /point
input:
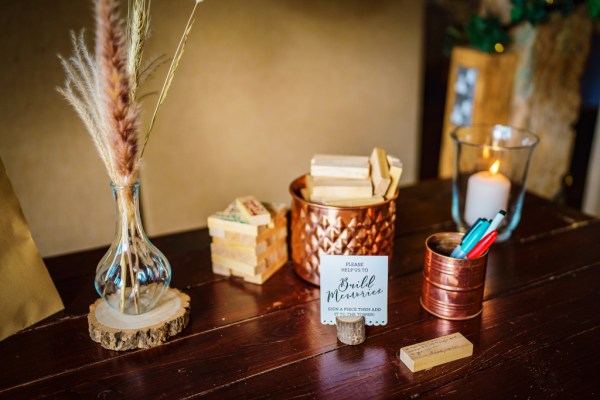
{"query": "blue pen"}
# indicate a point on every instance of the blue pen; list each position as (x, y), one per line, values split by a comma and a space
(467, 235)
(472, 240)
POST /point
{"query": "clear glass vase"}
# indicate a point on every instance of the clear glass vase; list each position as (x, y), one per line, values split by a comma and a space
(133, 274)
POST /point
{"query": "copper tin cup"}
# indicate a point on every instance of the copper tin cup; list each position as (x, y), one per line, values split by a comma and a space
(452, 287)
(318, 229)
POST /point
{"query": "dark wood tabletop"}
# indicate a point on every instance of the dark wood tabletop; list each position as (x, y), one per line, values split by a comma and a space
(538, 335)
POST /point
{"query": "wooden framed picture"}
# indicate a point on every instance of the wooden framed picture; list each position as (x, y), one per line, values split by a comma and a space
(480, 87)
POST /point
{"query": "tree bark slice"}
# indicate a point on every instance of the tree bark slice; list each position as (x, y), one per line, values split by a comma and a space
(116, 331)
(351, 330)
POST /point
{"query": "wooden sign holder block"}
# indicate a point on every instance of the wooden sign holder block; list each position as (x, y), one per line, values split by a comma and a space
(117, 331)
(351, 330)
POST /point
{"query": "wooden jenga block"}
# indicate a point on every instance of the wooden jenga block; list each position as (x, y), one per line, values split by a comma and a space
(279, 259)
(231, 220)
(380, 173)
(265, 275)
(435, 352)
(305, 193)
(337, 166)
(253, 211)
(234, 238)
(251, 256)
(220, 270)
(250, 269)
(260, 247)
(395, 174)
(354, 202)
(238, 266)
(262, 277)
(341, 188)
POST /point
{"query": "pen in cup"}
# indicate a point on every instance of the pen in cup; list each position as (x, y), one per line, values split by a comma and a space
(467, 236)
(468, 232)
(496, 222)
(483, 245)
(475, 235)
(469, 242)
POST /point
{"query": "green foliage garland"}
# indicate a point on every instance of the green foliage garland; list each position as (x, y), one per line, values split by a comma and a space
(489, 35)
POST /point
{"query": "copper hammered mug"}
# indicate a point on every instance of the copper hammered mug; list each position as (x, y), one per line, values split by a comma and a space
(452, 287)
(319, 229)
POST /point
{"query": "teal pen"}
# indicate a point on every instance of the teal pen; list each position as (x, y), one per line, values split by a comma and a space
(468, 232)
(472, 240)
(467, 236)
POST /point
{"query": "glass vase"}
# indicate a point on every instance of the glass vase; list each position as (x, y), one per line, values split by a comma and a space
(133, 274)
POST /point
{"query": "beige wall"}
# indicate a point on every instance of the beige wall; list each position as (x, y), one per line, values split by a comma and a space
(262, 86)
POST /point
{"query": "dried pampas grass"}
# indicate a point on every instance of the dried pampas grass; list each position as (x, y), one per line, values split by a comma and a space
(103, 88)
(117, 108)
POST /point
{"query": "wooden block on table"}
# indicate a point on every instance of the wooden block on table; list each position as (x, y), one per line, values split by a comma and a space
(261, 278)
(249, 244)
(233, 239)
(368, 201)
(395, 173)
(435, 352)
(337, 166)
(238, 267)
(246, 255)
(341, 188)
(231, 220)
(380, 172)
(220, 270)
(253, 211)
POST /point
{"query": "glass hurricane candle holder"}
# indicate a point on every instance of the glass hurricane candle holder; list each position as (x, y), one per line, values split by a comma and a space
(490, 172)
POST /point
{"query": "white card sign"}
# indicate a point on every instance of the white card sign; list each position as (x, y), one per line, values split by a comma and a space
(354, 285)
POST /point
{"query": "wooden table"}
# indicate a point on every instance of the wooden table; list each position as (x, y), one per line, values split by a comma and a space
(538, 335)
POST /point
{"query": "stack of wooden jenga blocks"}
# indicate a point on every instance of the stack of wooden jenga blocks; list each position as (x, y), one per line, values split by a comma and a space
(354, 181)
(249, 239)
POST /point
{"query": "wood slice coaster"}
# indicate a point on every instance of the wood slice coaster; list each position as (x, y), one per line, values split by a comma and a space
(116, 331)
(351, 330)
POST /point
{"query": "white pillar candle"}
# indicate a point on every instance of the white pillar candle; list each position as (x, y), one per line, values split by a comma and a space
(487, 193)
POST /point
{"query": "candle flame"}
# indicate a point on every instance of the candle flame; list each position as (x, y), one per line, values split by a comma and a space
(495, 167)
